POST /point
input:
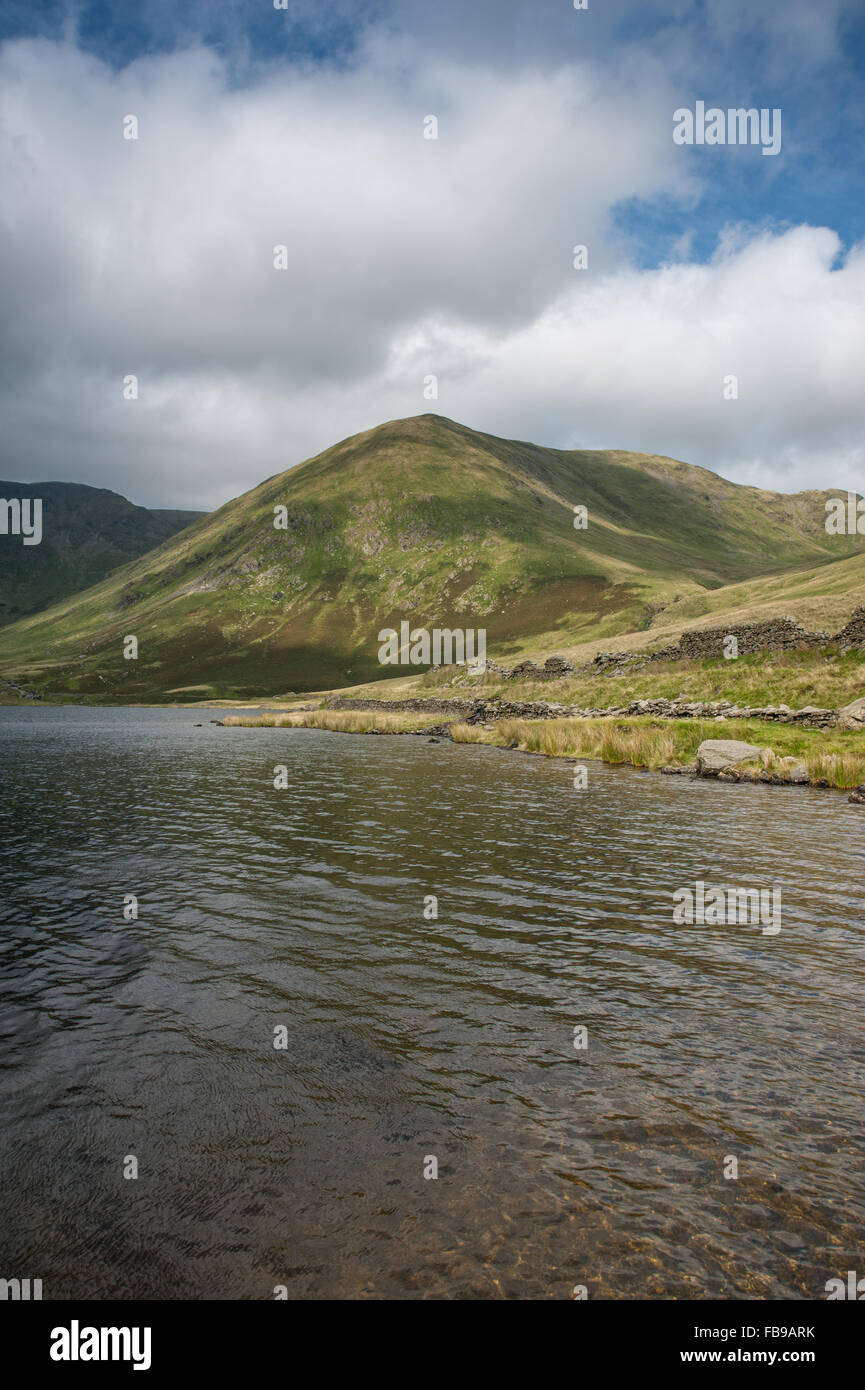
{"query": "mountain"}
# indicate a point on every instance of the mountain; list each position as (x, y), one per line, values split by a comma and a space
(422, 519)
(86, 533)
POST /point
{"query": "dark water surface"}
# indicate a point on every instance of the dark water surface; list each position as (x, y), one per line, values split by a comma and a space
(409, 1037)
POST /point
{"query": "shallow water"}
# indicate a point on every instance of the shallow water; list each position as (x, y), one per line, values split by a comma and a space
(406, 1037)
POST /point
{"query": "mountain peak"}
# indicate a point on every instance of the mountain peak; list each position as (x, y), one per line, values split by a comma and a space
(424, 519)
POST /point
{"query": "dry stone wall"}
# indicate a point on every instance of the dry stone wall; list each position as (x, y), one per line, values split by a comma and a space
(774, 634)
(700, 644)
(487, 711)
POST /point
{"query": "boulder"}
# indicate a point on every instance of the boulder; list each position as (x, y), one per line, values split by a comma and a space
(716, 754)
(858, 796)
(852, 716)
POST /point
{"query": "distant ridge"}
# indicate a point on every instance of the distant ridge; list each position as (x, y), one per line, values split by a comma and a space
(87, 532)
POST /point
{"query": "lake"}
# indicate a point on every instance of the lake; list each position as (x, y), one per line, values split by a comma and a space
(297, 916)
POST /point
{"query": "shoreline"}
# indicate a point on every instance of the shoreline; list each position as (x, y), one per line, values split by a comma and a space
(778, 746)
(639, 742)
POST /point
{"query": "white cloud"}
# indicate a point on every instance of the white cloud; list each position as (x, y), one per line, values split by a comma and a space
(639, 361)
(406, 257)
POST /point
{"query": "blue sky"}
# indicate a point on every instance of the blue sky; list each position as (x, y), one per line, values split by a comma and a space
(302, 126)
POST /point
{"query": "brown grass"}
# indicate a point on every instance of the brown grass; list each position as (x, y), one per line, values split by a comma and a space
(337, 721)
(832, 759)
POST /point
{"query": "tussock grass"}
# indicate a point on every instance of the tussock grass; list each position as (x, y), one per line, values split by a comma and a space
(469, 733)
(841, 770)
(338, 721)
(832, 759)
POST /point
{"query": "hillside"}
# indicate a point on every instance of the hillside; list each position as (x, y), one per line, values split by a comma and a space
(422, 519)
(86, 533)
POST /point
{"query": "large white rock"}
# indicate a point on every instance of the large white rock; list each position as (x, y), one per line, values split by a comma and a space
(852, 716)
(714, 754)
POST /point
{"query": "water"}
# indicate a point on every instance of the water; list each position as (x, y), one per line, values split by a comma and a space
(408, 1037)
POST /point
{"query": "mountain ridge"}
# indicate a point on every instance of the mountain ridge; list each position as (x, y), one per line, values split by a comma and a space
(86, 533)
(420, 518)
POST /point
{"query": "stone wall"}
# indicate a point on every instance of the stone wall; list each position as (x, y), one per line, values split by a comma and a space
(487, 711)
(700, 644)
(456, 706)
(471, 711)
(852, 635)
(552, 669)
(773, 635)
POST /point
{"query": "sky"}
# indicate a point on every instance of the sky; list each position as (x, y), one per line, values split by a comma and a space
(719, 316)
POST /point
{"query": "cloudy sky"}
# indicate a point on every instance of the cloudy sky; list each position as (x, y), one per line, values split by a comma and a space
(304, 127)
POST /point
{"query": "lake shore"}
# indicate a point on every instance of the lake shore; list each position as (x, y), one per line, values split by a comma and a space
(785, 754)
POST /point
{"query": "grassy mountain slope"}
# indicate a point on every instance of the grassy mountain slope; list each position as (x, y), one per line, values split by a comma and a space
(421, 519)
(86, 533)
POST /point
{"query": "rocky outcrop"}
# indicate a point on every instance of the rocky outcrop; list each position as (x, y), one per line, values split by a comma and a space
(795, 771)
